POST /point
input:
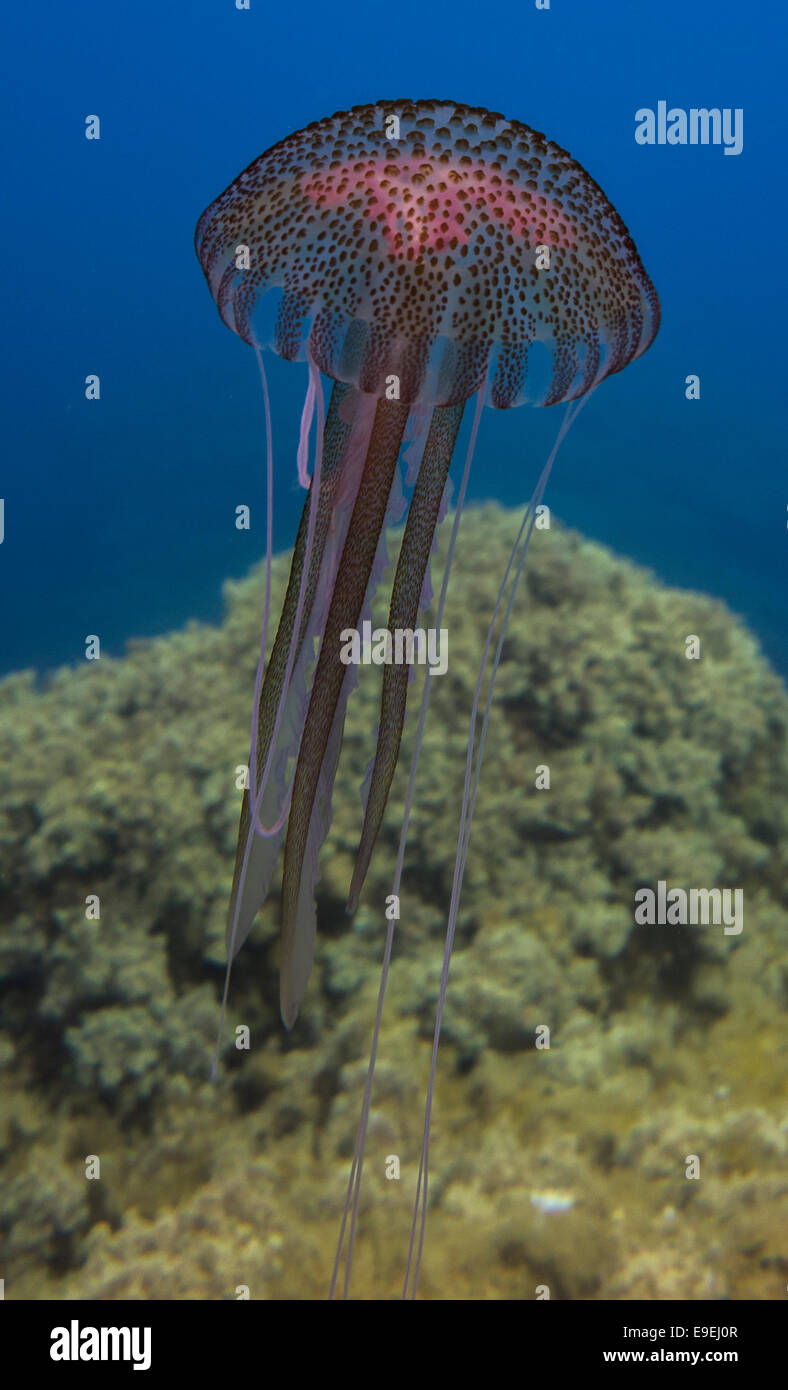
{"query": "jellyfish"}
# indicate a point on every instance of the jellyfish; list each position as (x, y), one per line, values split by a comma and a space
(417, 254)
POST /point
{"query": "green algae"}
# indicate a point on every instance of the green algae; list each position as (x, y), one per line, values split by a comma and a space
(120, 781)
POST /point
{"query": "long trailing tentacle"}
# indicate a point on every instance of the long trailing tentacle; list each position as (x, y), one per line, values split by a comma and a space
(253, 869)
(403, 616)
(472, 773)
(298, 919)
(350, 1213)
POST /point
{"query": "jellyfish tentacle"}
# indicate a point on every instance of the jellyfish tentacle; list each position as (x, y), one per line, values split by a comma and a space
(352, 580)
(473, 766)
(253, 884)
(403, 616)
(350, 1214)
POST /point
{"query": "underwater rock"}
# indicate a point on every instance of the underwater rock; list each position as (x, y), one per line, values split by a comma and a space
(119, 784)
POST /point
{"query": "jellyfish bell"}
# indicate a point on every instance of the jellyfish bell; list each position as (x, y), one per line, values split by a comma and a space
(415, 262)
(420, 258)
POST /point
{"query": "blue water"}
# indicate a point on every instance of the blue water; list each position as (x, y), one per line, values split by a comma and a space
(119, 516)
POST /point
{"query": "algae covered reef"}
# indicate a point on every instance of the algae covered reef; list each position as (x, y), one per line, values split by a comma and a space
(564, 1166)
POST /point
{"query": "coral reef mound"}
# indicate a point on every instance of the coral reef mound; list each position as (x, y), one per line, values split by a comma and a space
(564, 1165)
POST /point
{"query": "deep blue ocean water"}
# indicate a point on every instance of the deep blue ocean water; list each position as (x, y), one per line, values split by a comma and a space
(119, 515)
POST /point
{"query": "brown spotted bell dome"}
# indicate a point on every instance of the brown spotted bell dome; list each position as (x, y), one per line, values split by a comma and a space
(434, 242)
